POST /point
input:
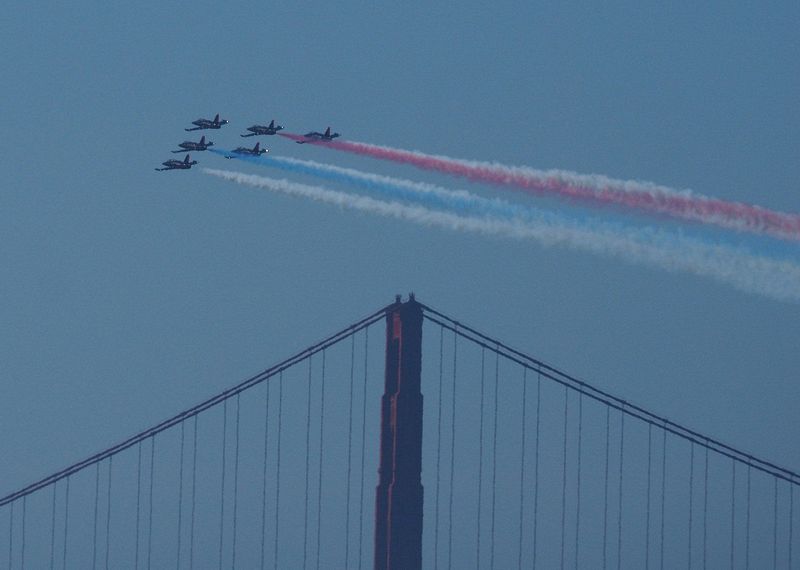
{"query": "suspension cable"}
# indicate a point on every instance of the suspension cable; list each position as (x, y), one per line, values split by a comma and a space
(452, 454)
(747, 526)
(308, 455)
(278, 469)
(52, 532)
(138, 502)
(180, 494)
(349, 452)
(150, 498)
(494, 451)
(201, 407)
(222, 485)
(66, 524)
(536, 468)
(663, 489)
(363, 447)
(522, 465)
(578, 490)
(647, 508)
(621, 472)
(236, 480)
(321, 448)
(264, 480)
(733, 512)
(564, 477)
(605, 491)
(691, 500)
(108, 510)
(96, 508)
(24, 514)
(438, 452)
(480, 461)
(705, 510)
(561, 377)
(194, 493)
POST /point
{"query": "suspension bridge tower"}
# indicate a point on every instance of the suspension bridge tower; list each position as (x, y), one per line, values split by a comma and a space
(398, 505)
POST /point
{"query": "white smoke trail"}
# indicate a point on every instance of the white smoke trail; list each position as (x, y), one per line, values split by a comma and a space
(771, 278)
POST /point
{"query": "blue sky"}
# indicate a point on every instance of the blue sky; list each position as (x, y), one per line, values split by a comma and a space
(129, 294)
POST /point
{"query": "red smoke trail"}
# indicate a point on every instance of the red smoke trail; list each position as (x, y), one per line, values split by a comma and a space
(638, 196)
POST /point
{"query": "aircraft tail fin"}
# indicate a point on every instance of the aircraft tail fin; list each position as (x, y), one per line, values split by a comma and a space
(203, 140)
(257, 147)
(272, 124)
(328, 132)
(216, 118)
(187, 159)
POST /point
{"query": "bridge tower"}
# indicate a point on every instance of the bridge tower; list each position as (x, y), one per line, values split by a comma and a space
(398, 505)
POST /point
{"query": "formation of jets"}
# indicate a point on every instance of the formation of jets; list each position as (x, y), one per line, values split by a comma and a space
(255, 130)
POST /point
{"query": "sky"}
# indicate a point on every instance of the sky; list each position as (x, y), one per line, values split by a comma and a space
(128, 294)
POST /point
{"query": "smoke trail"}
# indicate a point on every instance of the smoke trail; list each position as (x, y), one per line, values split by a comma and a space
(641, 196)
(771, 278)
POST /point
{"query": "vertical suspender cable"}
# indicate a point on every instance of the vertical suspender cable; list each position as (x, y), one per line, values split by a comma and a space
(705, 508)
(321, 449)
(621, 472)
(564, 476)
(747, 526)
(791, 520)
(578, 483)
(605, 490)
(11, 537)
(138, 501)
(150, 498)
(733, 511)
(536, 466)
(663, 490)
(96, 508)
(264, 481)
(108, 511)
(494, 446)
(349, 451)
(452, 452)
(480, 462)
(180, 493)
(647, 508)
(235, 481)
(194, 493)
(222, 485)
(24, 513)
(775, 523)
(278, 469)
(53, 531)
(522, 465)
(363, 446)
(308, 455)
(66, 524)
(691, 500)
(438, 452)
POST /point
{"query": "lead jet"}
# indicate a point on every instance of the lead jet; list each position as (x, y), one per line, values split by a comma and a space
(184, 164)
(271, 129)
(327, 136)
(201, 124)
(189, 145)
(255, 151)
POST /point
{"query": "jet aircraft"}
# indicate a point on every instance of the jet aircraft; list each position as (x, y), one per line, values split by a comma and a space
(317, 136)
(201, 124)
(271, 129)
(184, 164)
(189, 145)
(255, 151)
